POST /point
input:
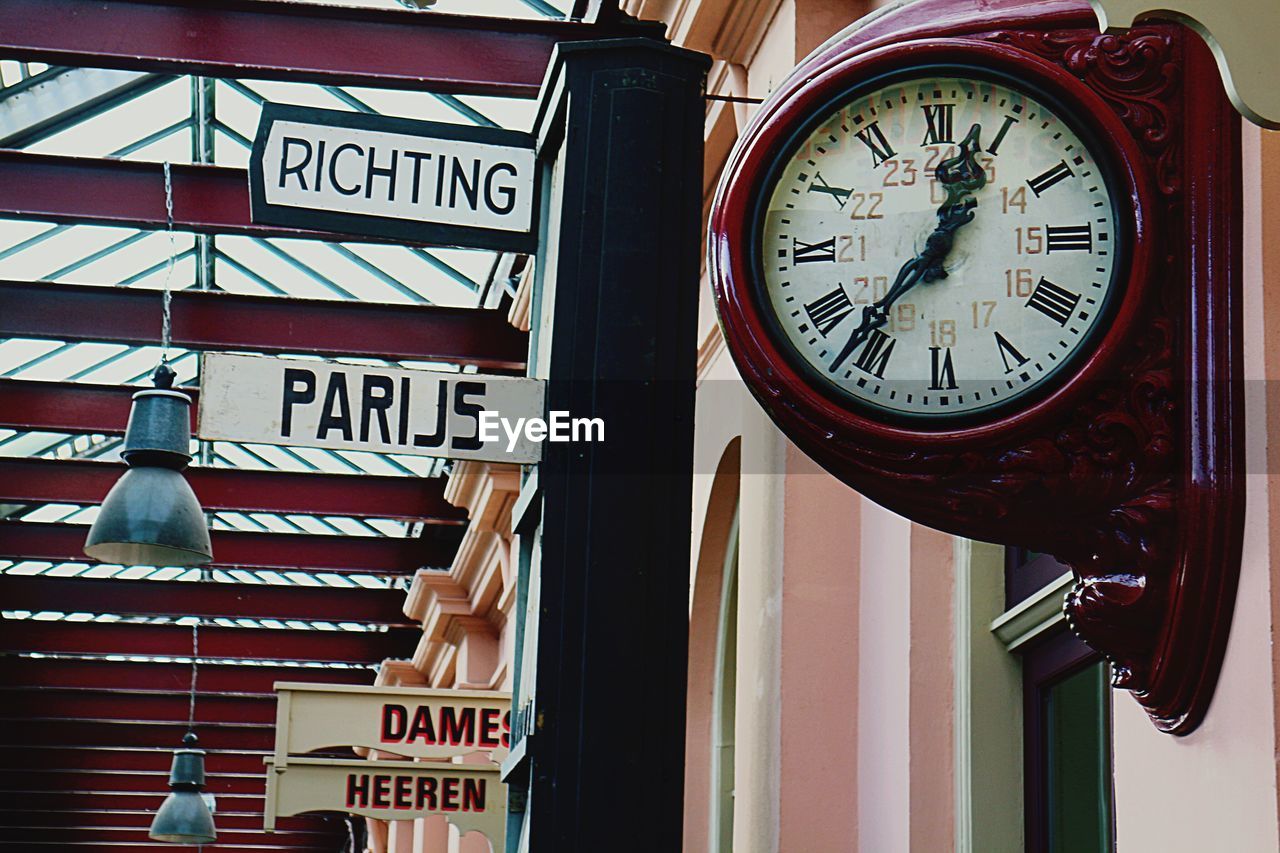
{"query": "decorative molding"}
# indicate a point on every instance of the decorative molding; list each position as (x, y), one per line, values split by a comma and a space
(1134, 72)
(394, 672)
(486, 490)
(466, 600)
(1034, 616)
(988, 708)
(727, 29)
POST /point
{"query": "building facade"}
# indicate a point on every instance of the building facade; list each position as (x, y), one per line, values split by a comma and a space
(861, 682)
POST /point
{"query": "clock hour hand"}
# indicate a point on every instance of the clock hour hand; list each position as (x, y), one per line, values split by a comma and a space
(960, 177)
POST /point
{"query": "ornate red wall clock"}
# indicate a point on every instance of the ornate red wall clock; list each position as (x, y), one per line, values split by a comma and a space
(981, 262)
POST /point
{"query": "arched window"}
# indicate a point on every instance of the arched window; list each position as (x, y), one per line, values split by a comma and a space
(724, 702)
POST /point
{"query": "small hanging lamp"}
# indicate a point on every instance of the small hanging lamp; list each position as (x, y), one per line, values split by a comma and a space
(184, 816)
(151, 517)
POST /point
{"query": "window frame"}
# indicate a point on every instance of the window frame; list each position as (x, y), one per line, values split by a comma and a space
(1009, 626)
(1046, 664)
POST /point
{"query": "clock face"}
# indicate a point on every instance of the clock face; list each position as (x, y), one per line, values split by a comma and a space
(918, 293)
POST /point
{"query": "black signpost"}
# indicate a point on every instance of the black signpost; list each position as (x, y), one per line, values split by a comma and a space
(608, 193)
(620, 144)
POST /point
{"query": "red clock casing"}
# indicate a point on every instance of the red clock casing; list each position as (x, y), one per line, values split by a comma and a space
(1128, 468)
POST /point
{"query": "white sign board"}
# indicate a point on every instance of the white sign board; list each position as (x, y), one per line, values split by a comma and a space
(393, 178)
(327, 404)
(471, 796)
(410, 721)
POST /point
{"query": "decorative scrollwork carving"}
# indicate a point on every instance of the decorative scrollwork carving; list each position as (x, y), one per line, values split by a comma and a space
(1135, 72)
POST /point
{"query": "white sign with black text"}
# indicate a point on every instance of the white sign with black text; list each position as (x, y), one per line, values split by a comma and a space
(393, 178)
(327, 404)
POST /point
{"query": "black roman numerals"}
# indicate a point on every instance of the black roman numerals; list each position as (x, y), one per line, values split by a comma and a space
(994, 147)
(874, 357)
(943, 372)
(1068, 238)
(839, 194)
(1047, 179)
(827, 311)
(1007, 351)
(1056, 303)
(809, 253)
(938, 120)
(873, 137)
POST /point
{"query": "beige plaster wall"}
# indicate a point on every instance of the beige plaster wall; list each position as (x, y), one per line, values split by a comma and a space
(820, 625)
(1216, 788)
(1267, 237)
(758, 730)
(884, 662)
(932, 702)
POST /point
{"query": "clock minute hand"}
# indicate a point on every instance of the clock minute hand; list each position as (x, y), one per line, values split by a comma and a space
(960, 177)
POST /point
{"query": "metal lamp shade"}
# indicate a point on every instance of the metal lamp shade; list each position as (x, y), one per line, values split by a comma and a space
(150, 518)
(184, 817)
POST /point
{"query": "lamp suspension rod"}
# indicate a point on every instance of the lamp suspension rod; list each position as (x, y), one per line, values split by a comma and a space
(195, 668)
(166, 322)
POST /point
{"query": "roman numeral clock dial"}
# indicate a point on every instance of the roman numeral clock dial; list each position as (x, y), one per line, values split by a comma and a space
(939, 247)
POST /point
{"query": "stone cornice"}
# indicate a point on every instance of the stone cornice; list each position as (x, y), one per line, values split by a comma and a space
(727, 29)
(474, 596)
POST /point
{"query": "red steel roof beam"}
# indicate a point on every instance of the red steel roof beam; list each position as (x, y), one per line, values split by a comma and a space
(90, 191)
(96, 801)
(87, 832)
(73, 814)
(104, 780)
(22, 702)
(295, 41)
(208, 600)
(86, 731)
(133, 639)
(270, 324)
(127, 675)
(75, 407)
(84, 482)
(382, 555)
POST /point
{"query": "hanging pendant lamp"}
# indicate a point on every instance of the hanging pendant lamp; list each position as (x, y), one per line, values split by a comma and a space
(151, 517)
(184, 816)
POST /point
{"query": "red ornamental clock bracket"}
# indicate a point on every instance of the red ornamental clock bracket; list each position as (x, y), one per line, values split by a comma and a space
(1130, 469)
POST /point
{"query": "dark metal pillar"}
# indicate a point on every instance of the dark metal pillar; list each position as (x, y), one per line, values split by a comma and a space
(620, 132)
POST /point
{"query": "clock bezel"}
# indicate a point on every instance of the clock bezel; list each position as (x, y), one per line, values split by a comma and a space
(814, 405)
(1029, 393)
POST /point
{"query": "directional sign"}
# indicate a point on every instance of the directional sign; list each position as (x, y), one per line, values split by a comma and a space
(327, 404)
(419, 181)
(409, 721)
(470, 796)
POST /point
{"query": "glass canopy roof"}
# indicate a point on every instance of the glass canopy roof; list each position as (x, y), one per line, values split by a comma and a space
(184, 119)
